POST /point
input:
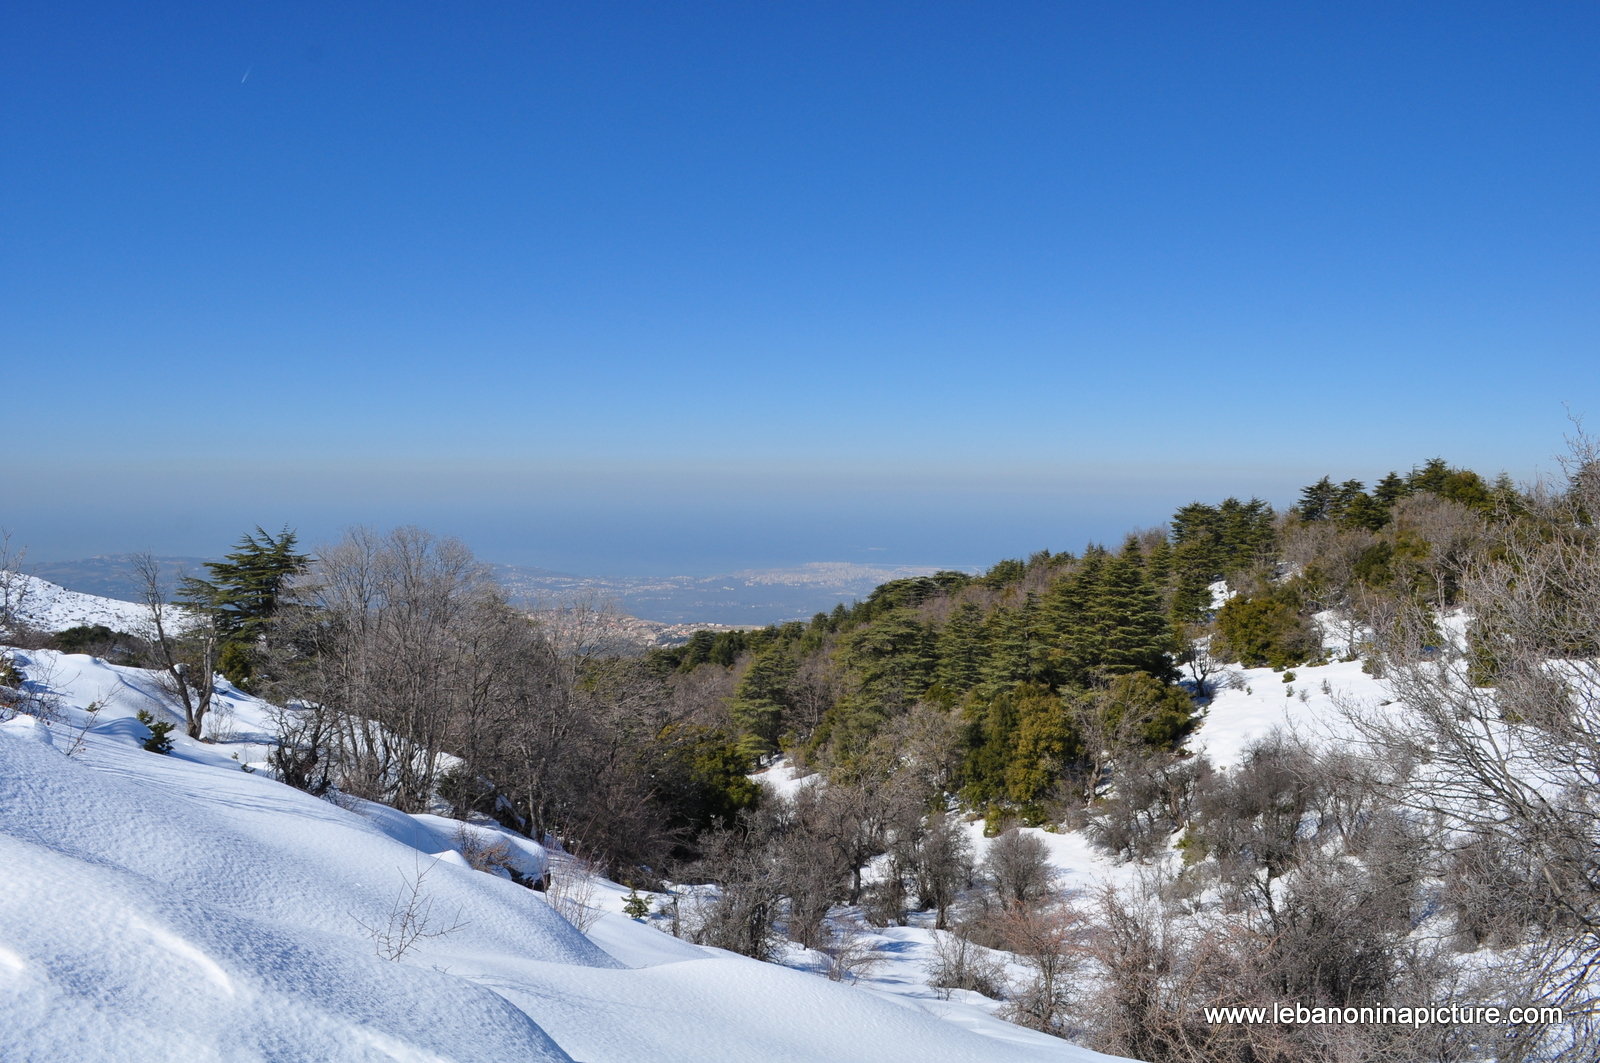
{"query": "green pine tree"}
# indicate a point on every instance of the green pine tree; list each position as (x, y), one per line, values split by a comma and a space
(635, 906)
(1316, 501)
(1020, 650)
(760, 699)
(242, 595)
(962, 649)
(1128, 630)
(1389, 490)
(1068, 619)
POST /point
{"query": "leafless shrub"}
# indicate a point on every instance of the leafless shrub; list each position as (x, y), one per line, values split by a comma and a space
(1155, 794)
(811, 862)
(15, 588)
(493, 857)
(1504, 729)
(33, 693)
(850, 952)
(944, 866)
(80, 736)
(1049, 941)
(410, 920)
(1017, 868)
(960, 963)
(184, 644)
(572, 890)
(741, 913)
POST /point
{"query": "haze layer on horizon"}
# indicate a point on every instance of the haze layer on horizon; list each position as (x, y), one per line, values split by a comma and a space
(648, 289)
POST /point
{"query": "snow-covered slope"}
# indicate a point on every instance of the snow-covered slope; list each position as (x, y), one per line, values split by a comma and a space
(181, 908)
(47, 607)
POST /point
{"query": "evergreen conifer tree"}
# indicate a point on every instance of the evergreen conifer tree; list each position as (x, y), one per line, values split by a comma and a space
(1067, 618)
(1365, 511)
(1389, 490)
(1019, 650)
(242, 595)
(1127, 629)
(895, 656)
(1316, 501)
(761, 697)
(962, 649)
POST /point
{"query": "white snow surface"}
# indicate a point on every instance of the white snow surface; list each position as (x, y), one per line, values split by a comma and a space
(181, 908)
(48, 607)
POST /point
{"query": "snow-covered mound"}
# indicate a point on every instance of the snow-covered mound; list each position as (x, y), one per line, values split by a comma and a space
(47, 607)
(182, 908)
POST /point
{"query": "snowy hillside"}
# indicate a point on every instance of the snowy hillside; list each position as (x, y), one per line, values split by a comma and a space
(181, 907)
(189, 906)
(47, 607)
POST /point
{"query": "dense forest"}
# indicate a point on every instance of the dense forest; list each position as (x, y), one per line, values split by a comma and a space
(1040, 661)
(1448, 849)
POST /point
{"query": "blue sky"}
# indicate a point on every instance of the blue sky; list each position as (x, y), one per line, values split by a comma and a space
(685, 288)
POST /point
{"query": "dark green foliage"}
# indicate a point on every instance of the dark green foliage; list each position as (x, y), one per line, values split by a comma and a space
(1106, 619)
(99, 641)
(1003, 572)
(1127, 630)
(79, 639)
(721, 648)
(1267, 630)
(1458, 485)
(894, 656)
(242, 595)
(1020, 646)
(702, 778)
(1390, 489)
(1208, 542)
(1372, 567)
(1316, 501)
(963, 649)
(1351, 507)
(1161, 714)
(635, 906)
(1365, 511)
(1019, 743)
(762, 697)
(1348, 504)
(160, 740)
(905, 593)
(726, 646)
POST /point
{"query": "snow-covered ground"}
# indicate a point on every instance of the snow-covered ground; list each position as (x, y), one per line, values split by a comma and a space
(188, 906)
(184, 908)
(47, 607)
(1262, 700)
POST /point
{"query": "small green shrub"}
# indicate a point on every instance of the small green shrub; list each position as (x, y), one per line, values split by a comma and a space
(635, 906)
(160, 730)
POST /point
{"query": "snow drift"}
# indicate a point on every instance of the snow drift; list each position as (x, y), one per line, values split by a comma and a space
(182, 908)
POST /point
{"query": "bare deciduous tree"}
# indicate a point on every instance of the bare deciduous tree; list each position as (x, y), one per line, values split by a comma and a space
(16, 587)
(1049, 941)
(1503, 727)
(1017, 867)
(184, 642)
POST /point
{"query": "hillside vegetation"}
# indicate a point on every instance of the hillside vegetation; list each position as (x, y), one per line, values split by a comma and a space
(1438, 845)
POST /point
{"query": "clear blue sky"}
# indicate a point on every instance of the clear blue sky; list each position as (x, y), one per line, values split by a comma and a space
(635, 288)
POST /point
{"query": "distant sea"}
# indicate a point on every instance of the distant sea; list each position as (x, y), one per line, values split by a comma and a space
(751, 596)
